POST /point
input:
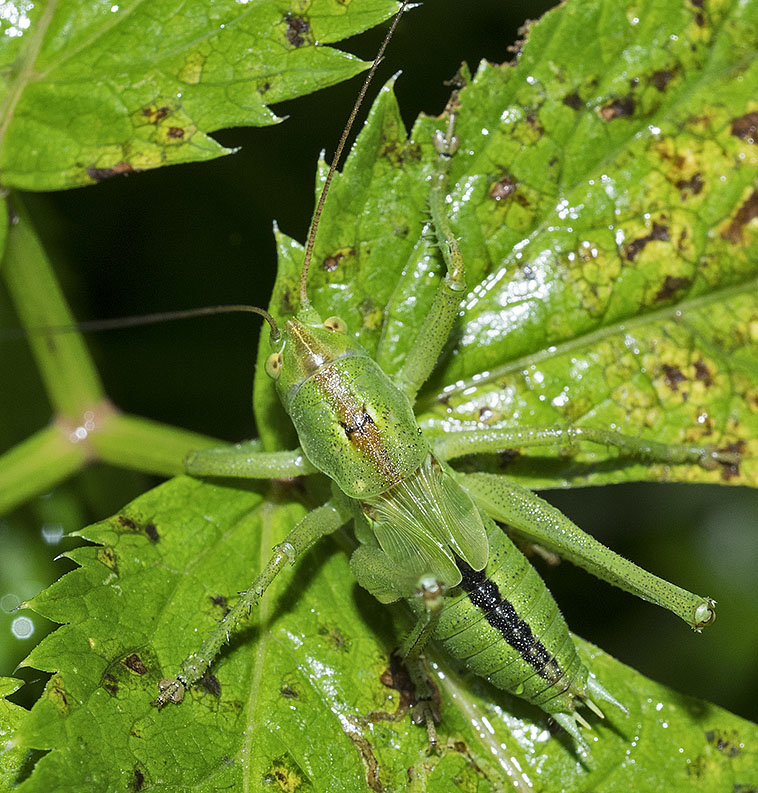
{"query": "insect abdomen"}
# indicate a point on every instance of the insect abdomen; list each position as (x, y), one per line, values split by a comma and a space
(506, 626)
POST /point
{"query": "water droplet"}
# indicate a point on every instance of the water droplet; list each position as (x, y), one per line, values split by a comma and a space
(22, 627)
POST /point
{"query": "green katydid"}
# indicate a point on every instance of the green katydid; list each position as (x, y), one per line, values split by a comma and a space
(427, 532)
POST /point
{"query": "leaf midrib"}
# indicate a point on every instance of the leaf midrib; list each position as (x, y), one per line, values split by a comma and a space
(26, 68)
(598, 335)
(701, 78)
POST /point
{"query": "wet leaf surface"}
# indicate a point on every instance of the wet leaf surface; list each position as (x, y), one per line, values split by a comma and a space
(304, 699)
(603, 197)
(95, 90)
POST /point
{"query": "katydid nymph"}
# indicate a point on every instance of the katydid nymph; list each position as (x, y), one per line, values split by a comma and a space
(426, 532)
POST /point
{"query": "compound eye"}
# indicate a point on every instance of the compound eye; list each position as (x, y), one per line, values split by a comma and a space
(335, 324)
(274, 365)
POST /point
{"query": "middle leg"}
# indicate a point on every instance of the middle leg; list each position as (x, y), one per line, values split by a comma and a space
(494, 439)
(315, 525)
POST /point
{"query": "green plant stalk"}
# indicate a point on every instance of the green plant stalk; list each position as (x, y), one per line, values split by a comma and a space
(86, 426)
(145, 445)
(65, 365)
(37, 464)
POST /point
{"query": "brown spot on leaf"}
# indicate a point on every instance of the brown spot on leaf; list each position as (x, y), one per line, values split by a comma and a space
(533, 122)
(155, 114)
(107, 556)
(673, 376)
(335, 636)
(397, 677)
(152, 532)
(175, 132)
(747, 212)
(726, 741)
(333, 262)
(138, 780)
(659, 233)
(693, 185)
(574, 101)
(56, 693)
(284, 775)
(617, 108)
(138, 528)
(485, 414)
(672, 285)
(503, 188)
(221, 601)
(462, 748)
(101, 174)
(730, 470)
(662, 78)
(297, 28)
(134, 662)
(399, 153)
(746, 127)
(285, 305)
(702, 372)
(110, 684)
(288, 692)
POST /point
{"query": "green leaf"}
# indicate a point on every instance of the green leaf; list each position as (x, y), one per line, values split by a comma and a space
(288, 704)
(92, 90)
(604, 195)
(301, 699)
(12, 718)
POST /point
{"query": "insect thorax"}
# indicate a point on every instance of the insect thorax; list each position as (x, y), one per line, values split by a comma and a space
(354, 424)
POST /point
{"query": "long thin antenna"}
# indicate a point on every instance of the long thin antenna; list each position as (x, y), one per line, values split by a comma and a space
(304, 302)
(152, 319)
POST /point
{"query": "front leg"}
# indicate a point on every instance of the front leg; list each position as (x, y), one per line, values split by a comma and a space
(315, 525)
(246, 461)
(438, 323)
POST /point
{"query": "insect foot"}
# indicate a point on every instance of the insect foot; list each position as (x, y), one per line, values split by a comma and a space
(446, 143)
(172, 690)
(712, 457)
(705, 614)
(426, 711)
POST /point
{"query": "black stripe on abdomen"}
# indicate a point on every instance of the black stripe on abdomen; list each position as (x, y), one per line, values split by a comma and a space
(500, 613)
